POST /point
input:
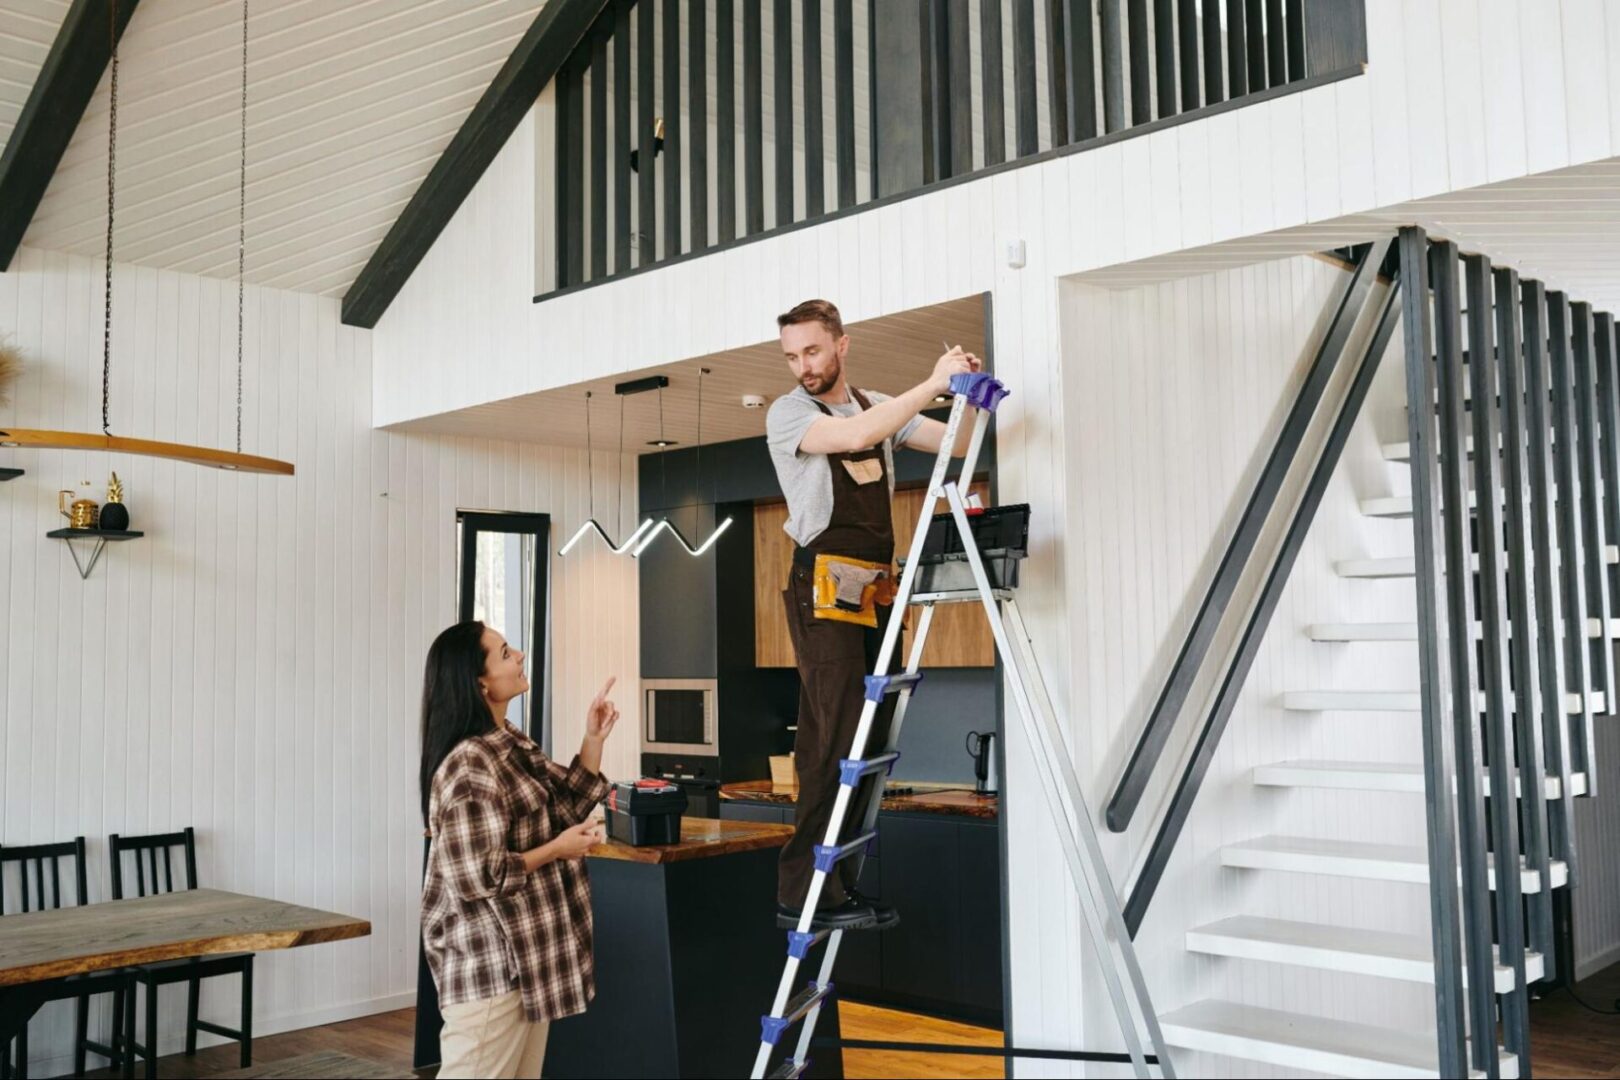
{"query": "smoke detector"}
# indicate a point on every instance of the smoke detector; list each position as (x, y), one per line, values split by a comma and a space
(753, 401)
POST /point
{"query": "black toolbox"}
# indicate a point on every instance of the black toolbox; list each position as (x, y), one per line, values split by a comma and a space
(1001, 534)
(645, 812)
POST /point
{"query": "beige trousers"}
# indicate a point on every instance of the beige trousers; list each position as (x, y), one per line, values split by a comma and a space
(491, 1038)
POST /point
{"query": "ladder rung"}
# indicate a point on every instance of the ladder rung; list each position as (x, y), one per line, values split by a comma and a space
(850, 770)
(878, 685)
(800, 944)
(830, 855)
(956, 596)
(813, 994)
(790, 1069)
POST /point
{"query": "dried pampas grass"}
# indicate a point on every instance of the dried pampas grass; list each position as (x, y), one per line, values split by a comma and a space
(11, 365)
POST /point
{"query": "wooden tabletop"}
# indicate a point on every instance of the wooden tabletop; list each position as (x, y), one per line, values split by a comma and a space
(701, 838)
(194, 922)
(928, 798)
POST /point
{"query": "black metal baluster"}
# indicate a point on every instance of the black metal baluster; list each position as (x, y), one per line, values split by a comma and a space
(1025, 126)
(599, 187)
(623, 239)
(1571, 545)
(815, 154)
(782, 132)
(1187, 27)
(1237, 48)
(1082, 70)
(1113, 64)
(672, 128)
(646, 151)
(990, 66)
(1528, 735)
(1496, 679)
(697, 111)
(1255, 33)
(1594, 529)
(1057, 70)
(1296, 40)
(844, 98)
(1141, 63)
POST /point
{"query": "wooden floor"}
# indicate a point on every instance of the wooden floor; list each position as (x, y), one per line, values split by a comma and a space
(387, 1040)
(1567, 1040)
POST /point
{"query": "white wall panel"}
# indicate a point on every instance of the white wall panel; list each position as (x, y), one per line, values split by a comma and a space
(252, 667)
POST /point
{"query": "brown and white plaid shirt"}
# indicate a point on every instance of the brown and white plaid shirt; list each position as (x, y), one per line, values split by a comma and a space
(487, 926)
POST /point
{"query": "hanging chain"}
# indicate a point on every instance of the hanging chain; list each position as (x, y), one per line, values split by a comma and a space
(697, 513)
(590, 458)
(241, 232)
(112, 162)
(619, 520)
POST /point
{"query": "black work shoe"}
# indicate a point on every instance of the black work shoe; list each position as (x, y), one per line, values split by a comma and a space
(852, 914)
(886, 916)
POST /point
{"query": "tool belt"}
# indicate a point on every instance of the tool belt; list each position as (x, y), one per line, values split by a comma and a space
(847, 590)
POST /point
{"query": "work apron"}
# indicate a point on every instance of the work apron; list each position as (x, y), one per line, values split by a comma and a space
(834, 658)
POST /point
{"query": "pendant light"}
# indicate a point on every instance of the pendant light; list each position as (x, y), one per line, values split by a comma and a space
(107, 441)
(664, 524)
(590, 480)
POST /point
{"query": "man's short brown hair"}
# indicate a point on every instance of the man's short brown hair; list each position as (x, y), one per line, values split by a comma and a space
(824, 312)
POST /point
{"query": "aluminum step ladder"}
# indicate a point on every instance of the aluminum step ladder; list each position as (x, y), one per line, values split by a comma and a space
(1098, 901)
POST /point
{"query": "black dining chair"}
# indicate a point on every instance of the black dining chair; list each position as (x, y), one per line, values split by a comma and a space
(46, 862)
(152, 853)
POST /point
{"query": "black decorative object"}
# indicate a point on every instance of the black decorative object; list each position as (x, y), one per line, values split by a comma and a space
(114, 514)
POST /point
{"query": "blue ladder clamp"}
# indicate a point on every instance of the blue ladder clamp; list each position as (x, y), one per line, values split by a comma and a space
(981, 390)
(829, 855)
(800, 943)
(878, 685)
(851, 770)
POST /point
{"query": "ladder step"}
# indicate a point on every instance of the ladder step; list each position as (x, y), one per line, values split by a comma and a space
(1357, 859)
(1310, 1043)
(879, 685)
(1381, 776)
(798, 1006)
(830, 855)
(1408, 631)
(790, 1069)
(1407, 957)
(851, 770)
(955, 596)
(1398, 701)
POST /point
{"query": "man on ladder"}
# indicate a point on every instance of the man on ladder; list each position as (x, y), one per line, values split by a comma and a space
(833, 448)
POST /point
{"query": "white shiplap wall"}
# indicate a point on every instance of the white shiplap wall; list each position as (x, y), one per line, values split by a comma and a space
(1409, 128)
(253, 666)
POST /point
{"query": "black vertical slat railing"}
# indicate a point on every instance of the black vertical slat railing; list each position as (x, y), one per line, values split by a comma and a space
(1496, 677)
(1594, 530)
(643, 175)
(1439, 762)
(1478, 960)
(1530, 743)
(1549, 596)
(1572, 567)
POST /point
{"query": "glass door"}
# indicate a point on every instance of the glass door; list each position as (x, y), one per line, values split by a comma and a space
(503, 576)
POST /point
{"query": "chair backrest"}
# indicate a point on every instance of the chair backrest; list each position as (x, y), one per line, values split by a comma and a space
(41, 856)
(150, 853)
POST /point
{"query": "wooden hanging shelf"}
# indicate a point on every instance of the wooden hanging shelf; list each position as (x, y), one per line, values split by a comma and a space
(118, 444)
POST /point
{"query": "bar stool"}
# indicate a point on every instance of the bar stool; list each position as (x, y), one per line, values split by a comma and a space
(78, 988)
(151, 852)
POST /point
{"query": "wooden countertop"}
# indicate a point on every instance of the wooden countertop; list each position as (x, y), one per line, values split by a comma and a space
(701, 838)
(929, 798)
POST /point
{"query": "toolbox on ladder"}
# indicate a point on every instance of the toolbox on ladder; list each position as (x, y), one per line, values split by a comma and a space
(967, 555)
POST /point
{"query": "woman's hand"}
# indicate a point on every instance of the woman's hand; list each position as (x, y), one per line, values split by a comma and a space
(602, 714)
(571, 843)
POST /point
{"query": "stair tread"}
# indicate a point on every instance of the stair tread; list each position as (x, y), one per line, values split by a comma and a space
(1376, 776)
(1407, 631)
(1296, 1040)
(1360, 859)
(1400, 506)
(1409, 957)
(1395, 701)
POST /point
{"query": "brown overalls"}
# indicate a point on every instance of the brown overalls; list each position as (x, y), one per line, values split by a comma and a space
(834, 658)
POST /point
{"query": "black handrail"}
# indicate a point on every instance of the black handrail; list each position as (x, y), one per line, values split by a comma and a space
(1254, 629)
(1240, 549)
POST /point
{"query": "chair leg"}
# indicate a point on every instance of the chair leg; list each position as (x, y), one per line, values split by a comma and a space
(192, 994)
(22, 1055)
(81, 1032)
(151, 1031)
(247, 1013)
(129, 1031)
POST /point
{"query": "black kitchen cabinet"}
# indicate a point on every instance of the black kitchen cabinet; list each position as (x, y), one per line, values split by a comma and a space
(678, 603)
(943, 873)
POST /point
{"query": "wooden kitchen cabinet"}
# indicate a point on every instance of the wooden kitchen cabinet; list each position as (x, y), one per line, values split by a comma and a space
(960, 636)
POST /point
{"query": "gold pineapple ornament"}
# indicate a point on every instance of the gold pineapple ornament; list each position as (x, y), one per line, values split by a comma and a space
(114, 515)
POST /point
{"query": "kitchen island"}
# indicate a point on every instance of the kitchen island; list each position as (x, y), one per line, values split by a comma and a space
(688, 957)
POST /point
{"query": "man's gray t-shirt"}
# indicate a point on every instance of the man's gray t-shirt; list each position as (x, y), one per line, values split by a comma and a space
(806, 479)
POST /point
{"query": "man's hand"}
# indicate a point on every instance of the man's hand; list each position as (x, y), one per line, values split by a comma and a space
(955, 362)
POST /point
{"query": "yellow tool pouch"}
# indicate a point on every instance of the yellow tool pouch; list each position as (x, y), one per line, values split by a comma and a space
(849, 590)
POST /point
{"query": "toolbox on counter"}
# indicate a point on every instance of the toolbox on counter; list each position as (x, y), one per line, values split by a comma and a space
(1002, 536)
(645, 812)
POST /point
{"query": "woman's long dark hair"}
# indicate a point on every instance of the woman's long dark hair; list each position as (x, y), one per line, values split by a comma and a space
(453, 707)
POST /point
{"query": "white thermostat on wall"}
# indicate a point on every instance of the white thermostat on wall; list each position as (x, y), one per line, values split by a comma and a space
(753, 401)
(1015, 254)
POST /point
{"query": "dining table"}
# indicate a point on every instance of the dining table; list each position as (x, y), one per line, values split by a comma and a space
(40, 948)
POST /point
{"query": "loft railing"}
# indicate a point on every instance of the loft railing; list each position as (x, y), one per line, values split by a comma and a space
(682, 126)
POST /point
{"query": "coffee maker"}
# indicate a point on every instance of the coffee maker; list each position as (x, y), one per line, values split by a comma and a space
(986, 774)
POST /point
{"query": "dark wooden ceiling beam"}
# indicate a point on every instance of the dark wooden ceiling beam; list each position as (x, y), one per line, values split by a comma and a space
(51, 115)
(550, 39)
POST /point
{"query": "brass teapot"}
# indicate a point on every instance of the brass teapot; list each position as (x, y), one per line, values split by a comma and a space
(81, 514)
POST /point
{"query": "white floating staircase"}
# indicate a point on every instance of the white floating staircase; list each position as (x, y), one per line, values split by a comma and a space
(1293, 1041)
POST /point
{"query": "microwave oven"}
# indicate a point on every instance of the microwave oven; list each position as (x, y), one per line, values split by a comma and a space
(678, 716)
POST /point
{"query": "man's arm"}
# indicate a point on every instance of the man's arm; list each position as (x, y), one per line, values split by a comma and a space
(930, 434)
(868, 428)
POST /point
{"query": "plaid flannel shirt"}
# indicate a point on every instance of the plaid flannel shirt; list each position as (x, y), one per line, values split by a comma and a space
(487, 926)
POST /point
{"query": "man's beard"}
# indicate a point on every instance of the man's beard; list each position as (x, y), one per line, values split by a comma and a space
(816, 385)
